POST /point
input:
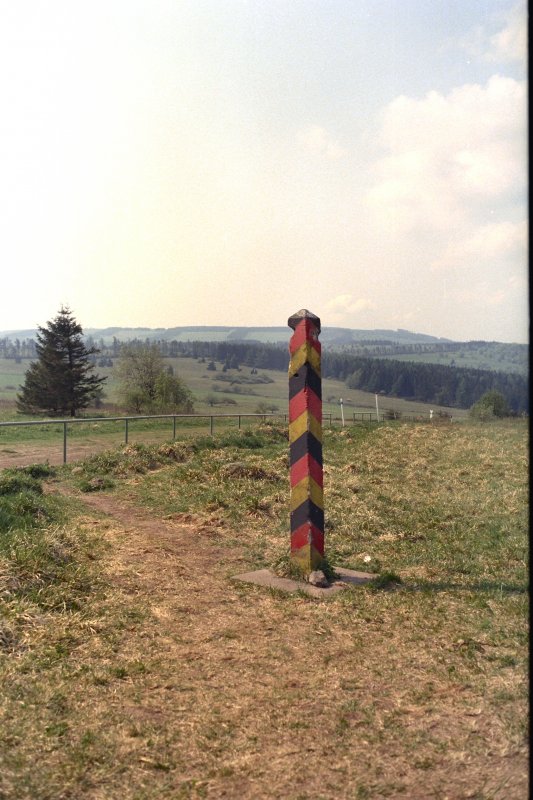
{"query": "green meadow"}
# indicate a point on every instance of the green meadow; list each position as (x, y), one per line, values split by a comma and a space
(229, 397)
(222, 399)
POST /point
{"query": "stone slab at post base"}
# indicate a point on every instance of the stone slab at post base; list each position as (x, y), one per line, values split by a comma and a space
(347, 577)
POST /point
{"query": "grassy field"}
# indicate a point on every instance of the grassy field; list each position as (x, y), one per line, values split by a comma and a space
(22, 445)
(484, 357)
(135, 668)
(202, 383)
(243, 398)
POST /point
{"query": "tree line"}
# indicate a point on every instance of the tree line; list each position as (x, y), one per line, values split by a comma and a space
(516, 354)
(456, 387)
(494, 353)
(434, 383)
(17, 349)
(63, 379)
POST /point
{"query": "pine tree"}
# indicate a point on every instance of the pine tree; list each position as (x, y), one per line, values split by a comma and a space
(61, 380)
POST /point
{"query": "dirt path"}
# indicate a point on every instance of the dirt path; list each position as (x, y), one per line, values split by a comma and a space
(15, 454)
(205, 701)
(20, 455)
(226, 691)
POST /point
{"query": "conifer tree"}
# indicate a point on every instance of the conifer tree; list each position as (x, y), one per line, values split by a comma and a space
(61, 381)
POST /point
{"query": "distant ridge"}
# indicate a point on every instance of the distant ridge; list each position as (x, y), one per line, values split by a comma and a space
(217, 333)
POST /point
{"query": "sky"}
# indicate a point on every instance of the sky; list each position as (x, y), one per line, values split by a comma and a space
(229, 162)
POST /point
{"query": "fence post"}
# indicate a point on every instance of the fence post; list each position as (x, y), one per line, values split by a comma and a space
(239, 421)
(126, 431)
(174, 427)
(305, 438)
(211, 424)
(64, 443)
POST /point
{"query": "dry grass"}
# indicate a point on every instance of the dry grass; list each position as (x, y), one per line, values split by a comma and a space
(170, 681)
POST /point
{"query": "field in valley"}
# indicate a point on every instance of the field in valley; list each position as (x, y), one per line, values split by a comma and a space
(135, 668)
(20, 446)
(230, 398)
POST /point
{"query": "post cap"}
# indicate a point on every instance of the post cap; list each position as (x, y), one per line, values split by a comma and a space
(296, 318)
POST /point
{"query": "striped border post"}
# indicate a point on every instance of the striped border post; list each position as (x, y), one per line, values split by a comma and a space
(305, 437)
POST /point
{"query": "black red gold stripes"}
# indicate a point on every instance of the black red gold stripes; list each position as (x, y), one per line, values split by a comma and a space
(305, 437)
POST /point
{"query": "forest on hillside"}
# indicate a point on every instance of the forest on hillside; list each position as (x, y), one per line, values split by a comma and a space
(496, 356)
(452, 386)
(430, 383)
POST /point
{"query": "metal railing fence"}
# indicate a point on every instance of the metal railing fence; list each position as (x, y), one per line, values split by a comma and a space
(64, 424)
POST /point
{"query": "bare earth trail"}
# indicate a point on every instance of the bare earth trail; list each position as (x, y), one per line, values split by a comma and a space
(234, 691)
(209, 682)
(21, 454)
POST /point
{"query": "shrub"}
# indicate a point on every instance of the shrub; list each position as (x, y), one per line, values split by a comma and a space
(491, 404)
(266, 408)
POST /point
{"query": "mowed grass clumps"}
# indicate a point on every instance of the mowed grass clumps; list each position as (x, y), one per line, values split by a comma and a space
(432, 503)
(43, 558)
(98, 471)
(129, 459)
(427, 503)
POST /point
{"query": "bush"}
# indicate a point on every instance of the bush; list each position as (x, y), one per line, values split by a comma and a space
(492, 404)
(266, 408)
(145, 386)
(390, 414)
(37, 470)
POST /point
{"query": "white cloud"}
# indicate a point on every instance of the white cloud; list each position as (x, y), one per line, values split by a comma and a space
(448, 198)
(449, 159)
(507, 45)
(317, 141)
(490, 242)
(510, 44)
(343, 305)
(482, 295)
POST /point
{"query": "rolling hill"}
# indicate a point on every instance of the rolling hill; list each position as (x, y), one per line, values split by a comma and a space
(210, 333)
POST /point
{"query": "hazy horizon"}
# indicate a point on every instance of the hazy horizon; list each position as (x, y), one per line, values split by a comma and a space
(90, 330)
(227, 162)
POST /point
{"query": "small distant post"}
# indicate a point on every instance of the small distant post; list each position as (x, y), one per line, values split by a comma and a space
(305, 438)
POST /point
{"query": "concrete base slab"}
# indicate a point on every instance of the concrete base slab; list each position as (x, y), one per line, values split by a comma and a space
(347, 577)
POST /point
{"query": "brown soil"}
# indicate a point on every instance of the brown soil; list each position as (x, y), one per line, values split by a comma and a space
(20, 455)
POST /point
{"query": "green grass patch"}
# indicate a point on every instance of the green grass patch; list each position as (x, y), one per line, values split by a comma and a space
(38, 552)
(424, 503)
